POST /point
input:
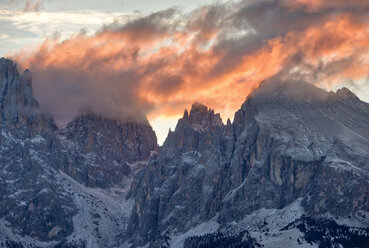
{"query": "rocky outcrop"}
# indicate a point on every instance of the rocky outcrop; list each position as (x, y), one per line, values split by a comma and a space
(102, 152)
(304, 145)
(131, 141)
(33, 198)
(289, 141)
(201, 118)
(19, 110)
(175, 177)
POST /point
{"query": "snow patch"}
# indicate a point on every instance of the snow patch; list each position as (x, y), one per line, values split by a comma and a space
(203, 228)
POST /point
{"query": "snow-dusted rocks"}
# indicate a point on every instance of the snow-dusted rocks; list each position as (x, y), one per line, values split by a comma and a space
(289, 141)
(40, 205)
(102, 152)
(292, 168)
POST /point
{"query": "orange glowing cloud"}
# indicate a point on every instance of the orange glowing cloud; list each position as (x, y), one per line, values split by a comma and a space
(161, 63)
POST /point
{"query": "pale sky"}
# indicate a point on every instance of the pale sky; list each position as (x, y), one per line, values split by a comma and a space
(20, 29)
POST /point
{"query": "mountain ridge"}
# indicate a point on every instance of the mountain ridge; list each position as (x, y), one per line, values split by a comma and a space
(280, 148)
(291, 167)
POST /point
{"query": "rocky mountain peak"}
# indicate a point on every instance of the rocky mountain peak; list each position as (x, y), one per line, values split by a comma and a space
(289, 145)
(201, 117)
(19, 108)
(344, 93)
(288, 90)
(54, 180)
(229, 122)
(127, 131)
(198, 108)
(185, 114)
(120, 147)
(348, 98)
(8, 70)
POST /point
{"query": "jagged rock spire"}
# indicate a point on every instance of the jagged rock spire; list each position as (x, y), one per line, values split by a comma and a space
(19, 108)
(198, 108)
(229, 122)
(8, 71)
(345, 93)
(201, 117)
(185, 114)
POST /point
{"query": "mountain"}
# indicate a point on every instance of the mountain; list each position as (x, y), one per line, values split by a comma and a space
(63, 187)
(294, 152)
(292, 169)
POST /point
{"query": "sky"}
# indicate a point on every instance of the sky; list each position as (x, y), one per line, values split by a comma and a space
(138, 60)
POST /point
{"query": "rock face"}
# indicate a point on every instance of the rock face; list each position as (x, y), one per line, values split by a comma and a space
(174, 177)
(19, 109)
(201, 118)
(103, 152)
(289, 142)
(31, 201)
(46, 173)
(132, 141)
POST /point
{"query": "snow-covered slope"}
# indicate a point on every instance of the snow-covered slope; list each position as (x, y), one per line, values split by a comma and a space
(44, 207)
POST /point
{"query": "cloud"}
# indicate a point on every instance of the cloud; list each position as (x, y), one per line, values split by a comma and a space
(160, 63)
(25, 30)
(318, 5)
(33, 5)
(29, 5)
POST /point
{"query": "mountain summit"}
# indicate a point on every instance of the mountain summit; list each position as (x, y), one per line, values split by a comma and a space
(201, 118)
(19, 109)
